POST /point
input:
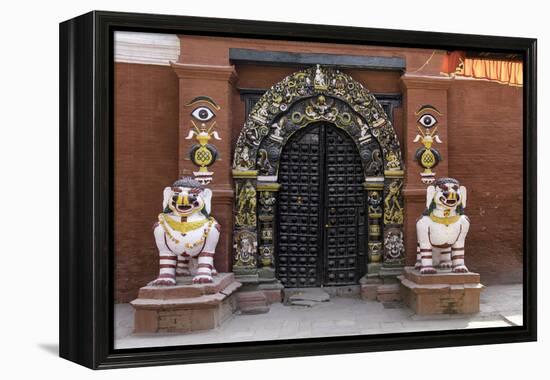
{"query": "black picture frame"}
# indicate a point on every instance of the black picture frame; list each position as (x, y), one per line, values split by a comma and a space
(86, 190)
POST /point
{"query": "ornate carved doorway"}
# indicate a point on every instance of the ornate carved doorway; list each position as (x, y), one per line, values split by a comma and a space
(322, 215)
(295, 121)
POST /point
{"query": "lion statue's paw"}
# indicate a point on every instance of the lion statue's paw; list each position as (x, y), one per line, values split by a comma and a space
(428, 270)
(163, 282)
(460, 269)
(202, 279)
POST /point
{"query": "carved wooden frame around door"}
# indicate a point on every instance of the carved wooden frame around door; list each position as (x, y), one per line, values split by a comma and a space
(313, 95)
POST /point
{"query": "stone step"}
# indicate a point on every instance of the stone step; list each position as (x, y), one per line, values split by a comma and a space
(252, 302)
(388, 293)
(305, 296)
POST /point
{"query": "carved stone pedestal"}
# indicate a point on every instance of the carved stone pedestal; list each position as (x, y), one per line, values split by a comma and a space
(441, 293)
(185, 307)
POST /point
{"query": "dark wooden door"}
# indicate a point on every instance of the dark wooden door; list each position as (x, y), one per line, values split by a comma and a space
(322, 219)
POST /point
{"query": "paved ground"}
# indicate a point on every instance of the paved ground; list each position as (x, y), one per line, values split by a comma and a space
(500, 306)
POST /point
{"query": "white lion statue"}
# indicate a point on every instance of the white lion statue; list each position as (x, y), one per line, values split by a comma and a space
(441, 230)
(185, 231)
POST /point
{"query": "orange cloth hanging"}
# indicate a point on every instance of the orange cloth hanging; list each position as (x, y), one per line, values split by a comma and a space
(506, 71)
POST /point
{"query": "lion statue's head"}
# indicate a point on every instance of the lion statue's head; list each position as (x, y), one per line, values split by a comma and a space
(446, 194)
(187, 196)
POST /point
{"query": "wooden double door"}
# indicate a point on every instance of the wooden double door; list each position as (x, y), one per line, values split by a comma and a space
(322, 217)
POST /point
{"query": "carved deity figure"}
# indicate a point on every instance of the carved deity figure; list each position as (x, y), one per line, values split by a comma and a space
(442, 229)
(319, 80)
(186, 232)
(393, 246)
(263, 162)
(278, 130)
(393, 213)
(246, 213)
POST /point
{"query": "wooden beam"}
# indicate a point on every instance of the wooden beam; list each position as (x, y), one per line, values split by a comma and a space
(281, 58)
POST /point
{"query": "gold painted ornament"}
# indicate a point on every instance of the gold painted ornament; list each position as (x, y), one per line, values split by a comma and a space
(427, 156)
(203, 154)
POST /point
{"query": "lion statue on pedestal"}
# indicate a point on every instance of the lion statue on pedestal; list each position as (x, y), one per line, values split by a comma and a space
(441, 230)
(186, 232)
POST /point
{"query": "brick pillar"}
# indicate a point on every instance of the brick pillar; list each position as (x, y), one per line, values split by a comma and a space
(216, 83)
(419, 91)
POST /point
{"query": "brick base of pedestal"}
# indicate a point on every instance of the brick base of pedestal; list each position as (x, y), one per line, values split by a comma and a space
(382, 290)
(185, 307)
(441, 293)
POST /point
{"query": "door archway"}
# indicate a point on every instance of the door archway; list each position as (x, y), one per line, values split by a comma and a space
(314, 95)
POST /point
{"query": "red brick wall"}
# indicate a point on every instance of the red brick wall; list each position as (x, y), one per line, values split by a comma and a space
(146, 160)
(485, 154)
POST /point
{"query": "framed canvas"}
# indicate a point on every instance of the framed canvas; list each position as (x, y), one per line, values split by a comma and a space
(236, 190)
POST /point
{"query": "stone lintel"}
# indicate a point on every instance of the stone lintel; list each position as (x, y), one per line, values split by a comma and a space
(205, 72)
(425, 82)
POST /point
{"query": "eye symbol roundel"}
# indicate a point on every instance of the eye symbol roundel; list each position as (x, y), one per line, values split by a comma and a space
(202, 113)
(427, 120)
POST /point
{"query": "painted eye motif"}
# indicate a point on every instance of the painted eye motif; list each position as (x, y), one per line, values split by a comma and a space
(427, 120)
(202, 113)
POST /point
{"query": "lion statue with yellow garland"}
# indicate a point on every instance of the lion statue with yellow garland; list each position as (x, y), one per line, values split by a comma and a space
(186, 234)
(441, 230)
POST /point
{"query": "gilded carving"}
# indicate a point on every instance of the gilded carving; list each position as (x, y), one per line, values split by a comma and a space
(375, 251)
(394, 248)
(203, 154)
(375, 165)
(392, 161)
(266, 255)
(264, 166)
(267, 202)
(393, 211)
(323, 85)
(278, 134)
(246, 210)
(320, 83)
(245, 246)
(318, 94)
(374, 230)
(427, 156)
(375, 204)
